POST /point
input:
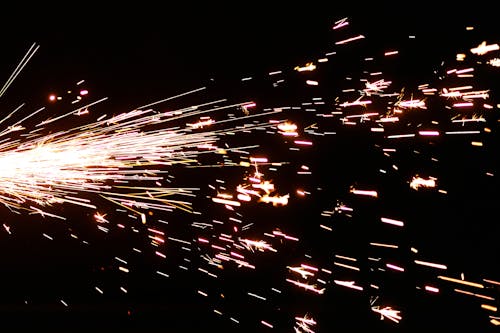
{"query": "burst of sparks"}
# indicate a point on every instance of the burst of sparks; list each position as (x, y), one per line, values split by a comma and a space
(123, 158)
(388, 312)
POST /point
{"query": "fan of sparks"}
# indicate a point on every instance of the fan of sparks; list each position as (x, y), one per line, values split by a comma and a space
(40, 170)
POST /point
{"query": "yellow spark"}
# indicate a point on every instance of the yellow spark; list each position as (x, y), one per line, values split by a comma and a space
(275, 200)
(308, 67)
(468, 283)
(483, 48)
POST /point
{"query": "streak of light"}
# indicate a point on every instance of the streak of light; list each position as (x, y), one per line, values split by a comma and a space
(484, 48)
(369, 193)
(430, 264)
(418, 182)
(398, 136)
(275, 200)
(348, 284)
(24, 61)
(340, 23)
(303, 324)
(389, 53)
(346, 266)
(348, 40)
(388, 312)
(474, 294)
(395, 267)
(411, 104)
(307, 68)
(306, 286)
(384, 245)
(432, 289)
(346, 258)
(429, 133)
(226, 202)
(256, 296)
(467, 283)
(463, 132)
(492, 282)
(489, 307)
(392, 221)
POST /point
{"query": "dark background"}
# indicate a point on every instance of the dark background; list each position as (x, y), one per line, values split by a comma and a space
(142, 53)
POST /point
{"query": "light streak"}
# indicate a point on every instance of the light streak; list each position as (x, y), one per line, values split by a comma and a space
(275, 200)
(432, 289)
(309, 67)
(395, 267)
(369, 193)
(304, 324)
(398, 136)
(348, 284)
(340, 23)
(391, 246)
(484, 48)
(226, 202)
(392, 221)
(348, 40)
(346, 266)
(418, 182)
(257, 245)
(24, 61)
(429, 133)
(430, 264)
(306, 286)
(412, 104)
(388, 312)
(474, 294)
(489, 307)
(301, 270)
(389, 53)
(467, 283)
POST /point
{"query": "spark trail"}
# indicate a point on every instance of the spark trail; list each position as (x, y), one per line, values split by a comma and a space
(51, 168)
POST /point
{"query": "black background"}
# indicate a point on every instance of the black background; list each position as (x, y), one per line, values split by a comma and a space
(140, 53)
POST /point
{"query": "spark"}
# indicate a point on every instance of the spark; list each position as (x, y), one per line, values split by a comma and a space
(468, 283)
(484, 48)
(309, 67)
(392, 221)
(418, 182)
(257, 245)
(304, 324)
(307, 286)
(301, 270)
(348, 284)
(369, 193)
(388, 312)
(430, 264)
(24, 61)
(348, 40)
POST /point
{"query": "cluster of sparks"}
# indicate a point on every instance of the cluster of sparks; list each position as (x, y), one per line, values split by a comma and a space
(124, 158)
